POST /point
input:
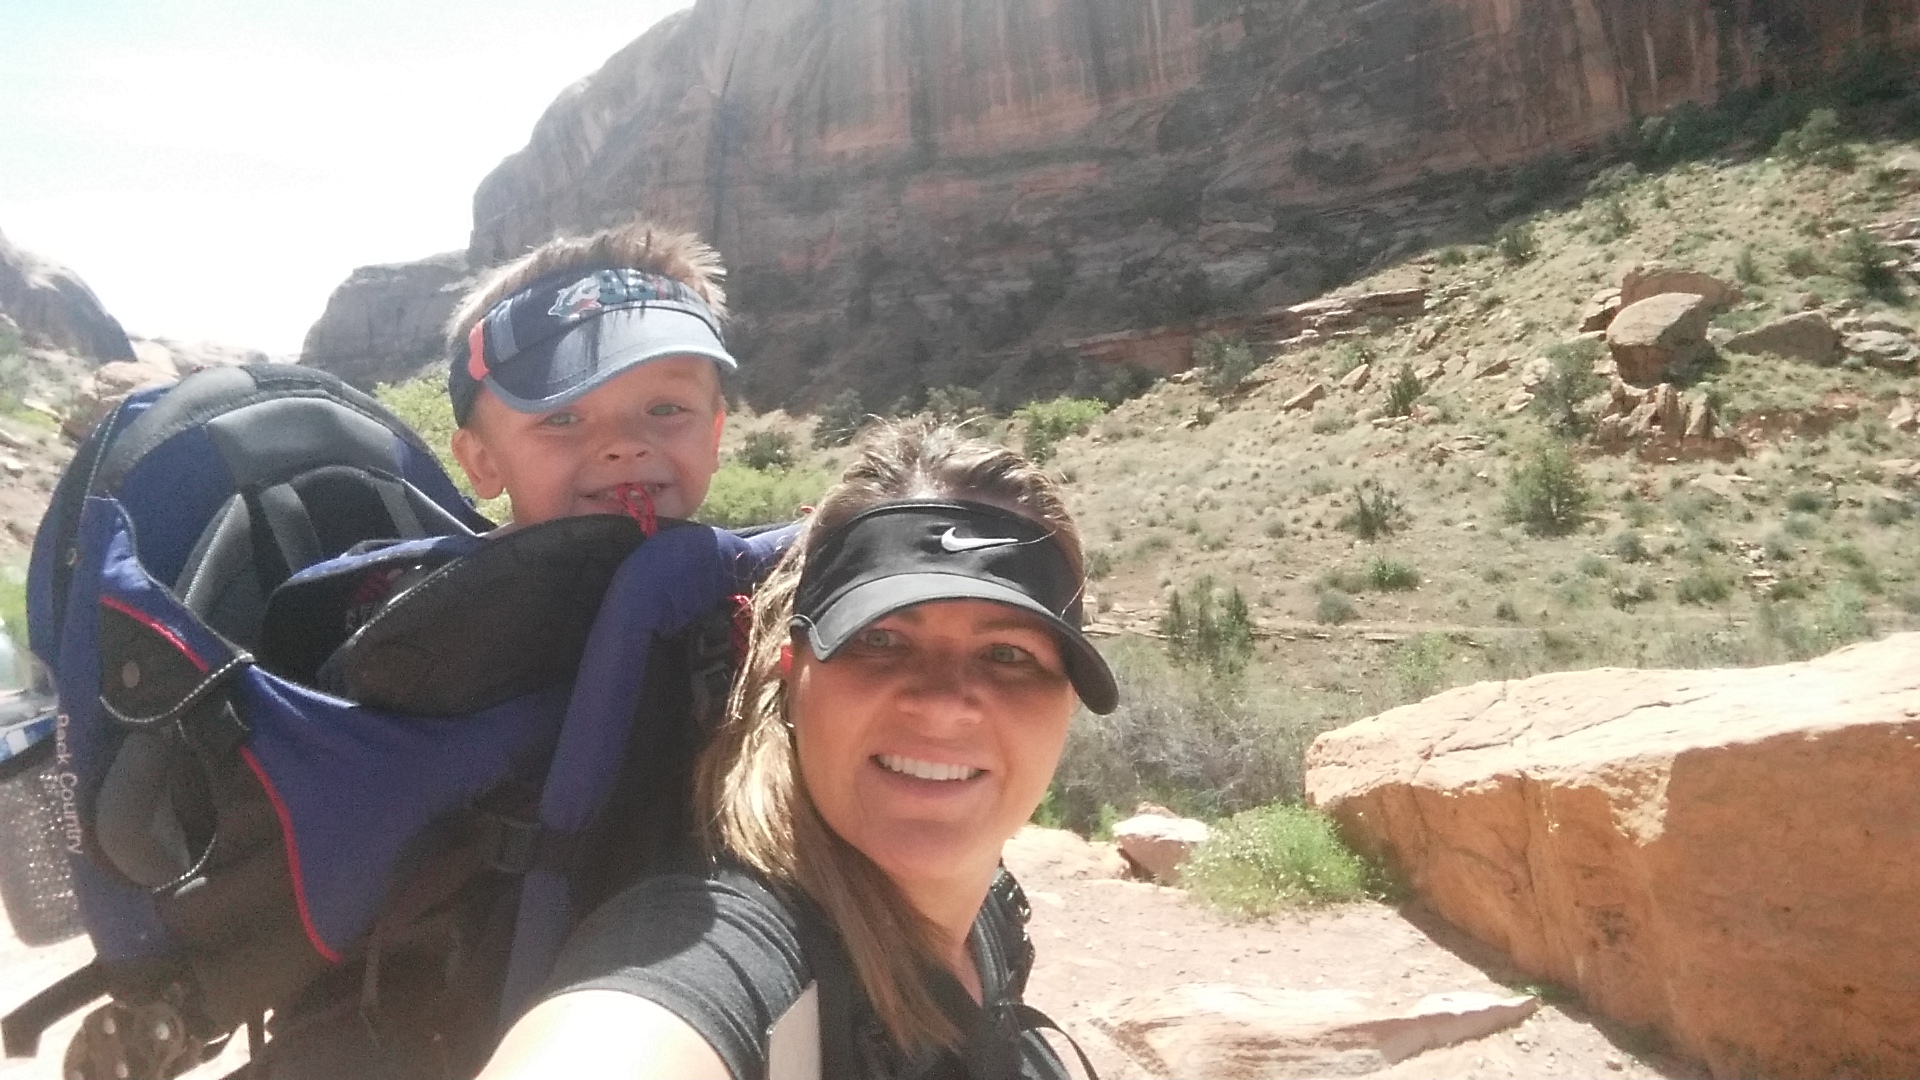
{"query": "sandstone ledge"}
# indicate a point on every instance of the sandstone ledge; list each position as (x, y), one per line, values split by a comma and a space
(1728, 857)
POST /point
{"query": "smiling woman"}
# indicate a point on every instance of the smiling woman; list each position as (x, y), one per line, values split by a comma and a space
(913, 668)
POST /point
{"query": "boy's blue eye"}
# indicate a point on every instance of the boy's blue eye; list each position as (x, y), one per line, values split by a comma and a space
(667, 408)
(562, 418)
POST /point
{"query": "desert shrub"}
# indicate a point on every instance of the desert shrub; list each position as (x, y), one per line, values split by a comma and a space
(1746, 267)
(1801, 525)
(1887, 511)
(13, 612)
(1548, 494)
(1868, 263)
(1629, 594)
(1099, 564)
(1615, 221)
(839, 420)
(1808, 501)
(1331, 421)
(744, 496)
(1392, 575)
(1591, 565)
(14, 376)
(1045, 423)
(1570, 380)
(766, 451)
(1517, 244)
(1403, 390)
(1185, 738)
(1376, 512)
(1840, 620)
(1333, 607)
(1505, 610)
(1819, 141)
(1801, 262)
(1275, 857)
(1420, 666)
(1630, 547)
(1224, 362)
(1703, 586)
(1613, 180)
(1209, 627)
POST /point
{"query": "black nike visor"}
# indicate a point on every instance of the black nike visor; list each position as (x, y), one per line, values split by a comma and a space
(898, 554)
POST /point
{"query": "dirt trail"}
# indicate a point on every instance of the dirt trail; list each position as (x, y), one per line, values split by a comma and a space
(1100, 937)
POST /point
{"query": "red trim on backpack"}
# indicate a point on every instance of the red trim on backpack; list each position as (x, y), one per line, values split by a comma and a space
(293, 858)
(153, 624)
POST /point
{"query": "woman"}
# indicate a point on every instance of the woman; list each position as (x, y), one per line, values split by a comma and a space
(913, 666)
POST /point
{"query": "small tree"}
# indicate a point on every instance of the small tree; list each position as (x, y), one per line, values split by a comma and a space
(1045, 423)
(1224, 363)
(1517, 244)
(767, 451)
(839, 420)
(1208, 629)
(1570, 380)
(1403, 390)
(1548, 493)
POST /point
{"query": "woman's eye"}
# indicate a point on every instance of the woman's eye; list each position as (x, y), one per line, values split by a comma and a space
(1009, 654)
(874, 637)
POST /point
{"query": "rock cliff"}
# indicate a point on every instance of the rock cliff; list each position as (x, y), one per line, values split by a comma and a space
(385, 322)
(54, 308)
(913, 193)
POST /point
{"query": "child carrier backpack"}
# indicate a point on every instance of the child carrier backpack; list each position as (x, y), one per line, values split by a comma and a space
(300, 712)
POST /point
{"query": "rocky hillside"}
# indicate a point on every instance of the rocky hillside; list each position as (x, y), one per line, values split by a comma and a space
(914, 195)
(52, 308)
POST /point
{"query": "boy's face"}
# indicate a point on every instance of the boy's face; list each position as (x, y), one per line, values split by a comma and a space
(656, 425)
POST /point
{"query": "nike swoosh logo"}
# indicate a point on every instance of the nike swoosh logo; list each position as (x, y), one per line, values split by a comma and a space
(956, 544)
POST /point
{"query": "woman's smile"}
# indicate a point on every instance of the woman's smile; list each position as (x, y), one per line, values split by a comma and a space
(926, 770)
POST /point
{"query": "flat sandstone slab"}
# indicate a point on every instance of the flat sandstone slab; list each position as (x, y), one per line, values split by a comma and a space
(1731, 857)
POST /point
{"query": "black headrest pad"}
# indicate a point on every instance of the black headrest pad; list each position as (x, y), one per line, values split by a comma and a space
(507, 620)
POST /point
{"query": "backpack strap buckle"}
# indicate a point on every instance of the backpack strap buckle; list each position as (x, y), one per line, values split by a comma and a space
(516, 845)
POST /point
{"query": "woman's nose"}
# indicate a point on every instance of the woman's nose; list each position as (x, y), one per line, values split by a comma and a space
(941, 689)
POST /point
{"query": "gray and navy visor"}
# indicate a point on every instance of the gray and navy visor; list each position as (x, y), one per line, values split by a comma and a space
(898, 554)
(552, 342)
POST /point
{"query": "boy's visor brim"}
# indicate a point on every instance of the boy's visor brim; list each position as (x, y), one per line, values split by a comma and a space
(858, 607)
(551, 375)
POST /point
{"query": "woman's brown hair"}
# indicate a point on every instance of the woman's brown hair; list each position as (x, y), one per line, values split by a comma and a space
(748, 786)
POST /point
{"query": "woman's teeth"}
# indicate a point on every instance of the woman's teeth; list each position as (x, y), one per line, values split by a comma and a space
(925, 770)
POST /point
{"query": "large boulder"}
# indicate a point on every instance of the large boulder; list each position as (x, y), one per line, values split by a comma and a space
(1159, 844)
(1728, 857)
(108, 386)
(1885, 349)
(1805, 336)
(1656, 279)
(385, 323)
(1654, 337)
(55, 309)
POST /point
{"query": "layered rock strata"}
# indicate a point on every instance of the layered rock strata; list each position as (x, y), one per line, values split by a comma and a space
(1724, 856)
(916, 194)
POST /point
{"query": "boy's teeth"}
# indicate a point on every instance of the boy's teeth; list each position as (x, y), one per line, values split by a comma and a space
(926, 770)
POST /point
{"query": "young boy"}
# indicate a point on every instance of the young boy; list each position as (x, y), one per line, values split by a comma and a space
(588, 372)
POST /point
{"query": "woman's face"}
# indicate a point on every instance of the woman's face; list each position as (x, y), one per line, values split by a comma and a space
(931, 736)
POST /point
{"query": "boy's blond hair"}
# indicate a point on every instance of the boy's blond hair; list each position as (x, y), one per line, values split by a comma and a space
(637, 245)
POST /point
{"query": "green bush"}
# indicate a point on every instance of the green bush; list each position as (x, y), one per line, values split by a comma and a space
(1331, 421)
(1703, 586)
(1801, 262)
(1276, 857)
(1808, 501)
(1570, 380)
(1334, 608)
(1403, 391)
(1209, 627)
(1630, 547)
(1841, 620)
(1420, 666)
(1628, 595)
(1819, 141)
(1548, 494)
(743, 496)
(1224, 362)
(1185, 738)
(1392, 575)
(1747, 267)
(1376, 512)
(952, 404)
(1045, 423)
(1868, 263)
(839, 420)
(766, 451)
(1616, 222)
(1517, 244)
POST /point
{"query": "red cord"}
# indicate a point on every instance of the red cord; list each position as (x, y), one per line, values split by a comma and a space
(639, 506)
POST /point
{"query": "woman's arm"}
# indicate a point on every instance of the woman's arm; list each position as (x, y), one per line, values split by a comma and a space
(603, 1033)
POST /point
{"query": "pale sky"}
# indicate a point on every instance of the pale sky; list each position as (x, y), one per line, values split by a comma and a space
(214, 169)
